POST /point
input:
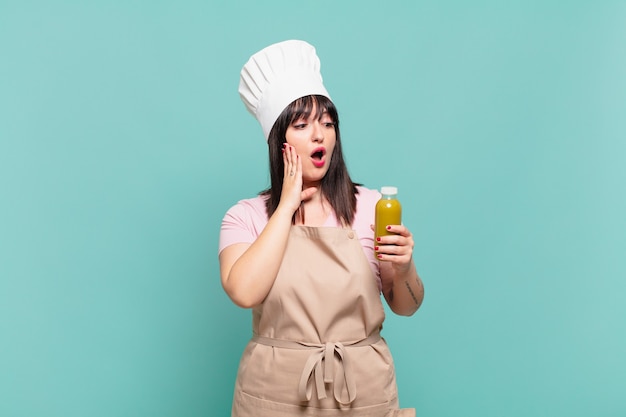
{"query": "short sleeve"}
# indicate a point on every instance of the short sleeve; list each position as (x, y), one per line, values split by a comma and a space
(364, 217)
(243, 222)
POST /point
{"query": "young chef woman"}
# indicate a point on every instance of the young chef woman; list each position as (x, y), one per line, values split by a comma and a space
(303, 257)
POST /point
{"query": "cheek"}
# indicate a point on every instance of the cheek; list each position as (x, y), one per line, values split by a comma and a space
(300, 150)
(331, 149)
(293, 141)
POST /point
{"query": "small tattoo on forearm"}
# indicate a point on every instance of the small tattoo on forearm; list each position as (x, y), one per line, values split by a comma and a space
(408, 287)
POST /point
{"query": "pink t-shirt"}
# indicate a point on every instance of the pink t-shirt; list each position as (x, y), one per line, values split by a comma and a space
(245, 221)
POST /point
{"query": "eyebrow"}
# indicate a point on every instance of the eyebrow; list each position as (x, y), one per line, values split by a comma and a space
(324, 113)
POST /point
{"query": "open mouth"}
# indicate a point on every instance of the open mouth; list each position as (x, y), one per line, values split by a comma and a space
(318, 156)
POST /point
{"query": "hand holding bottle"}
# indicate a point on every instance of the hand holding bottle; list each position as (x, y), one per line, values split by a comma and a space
(393, 241)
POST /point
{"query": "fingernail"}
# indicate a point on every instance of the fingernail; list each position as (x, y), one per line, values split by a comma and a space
(377, 239)
(376, 248)
(388, 227)
(380, 256)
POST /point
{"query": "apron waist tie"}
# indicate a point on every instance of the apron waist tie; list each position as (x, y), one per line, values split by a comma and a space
(313, 369)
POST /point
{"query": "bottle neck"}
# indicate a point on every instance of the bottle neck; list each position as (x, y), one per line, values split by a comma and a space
(389, 196)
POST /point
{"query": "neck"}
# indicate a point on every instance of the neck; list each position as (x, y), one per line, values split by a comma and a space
(317, 195)
(316, 210)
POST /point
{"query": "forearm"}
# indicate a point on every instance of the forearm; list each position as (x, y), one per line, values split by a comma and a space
(403, 289)
(250, 277)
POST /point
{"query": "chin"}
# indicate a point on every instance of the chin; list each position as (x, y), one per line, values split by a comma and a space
(313, 179)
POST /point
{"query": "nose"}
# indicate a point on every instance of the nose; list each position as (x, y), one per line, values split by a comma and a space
(318, 132)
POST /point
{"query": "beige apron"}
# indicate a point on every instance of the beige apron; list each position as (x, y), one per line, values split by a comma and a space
(316, 349)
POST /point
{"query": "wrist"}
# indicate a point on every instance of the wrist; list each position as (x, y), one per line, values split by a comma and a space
(402, 271)
(284, 212)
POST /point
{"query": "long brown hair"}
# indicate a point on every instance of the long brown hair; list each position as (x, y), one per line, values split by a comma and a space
(336, 185)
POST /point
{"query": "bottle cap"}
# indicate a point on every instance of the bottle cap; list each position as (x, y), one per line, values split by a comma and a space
(389, 190)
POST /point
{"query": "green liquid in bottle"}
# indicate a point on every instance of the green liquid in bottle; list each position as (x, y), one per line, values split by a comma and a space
(388, 211)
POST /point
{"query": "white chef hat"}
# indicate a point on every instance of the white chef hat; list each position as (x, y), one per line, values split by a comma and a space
(277, 75)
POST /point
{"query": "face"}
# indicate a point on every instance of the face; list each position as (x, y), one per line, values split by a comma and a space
(314, 140)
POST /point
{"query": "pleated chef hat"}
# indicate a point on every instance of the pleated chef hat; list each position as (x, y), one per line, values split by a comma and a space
(277, 75)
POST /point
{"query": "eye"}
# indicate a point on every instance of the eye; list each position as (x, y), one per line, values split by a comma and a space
(299, 124)
(327, 121)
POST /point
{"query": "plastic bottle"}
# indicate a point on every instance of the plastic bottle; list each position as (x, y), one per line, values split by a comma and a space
(388, 211)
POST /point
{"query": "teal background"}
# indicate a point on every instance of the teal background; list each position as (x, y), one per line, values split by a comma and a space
(123, 142)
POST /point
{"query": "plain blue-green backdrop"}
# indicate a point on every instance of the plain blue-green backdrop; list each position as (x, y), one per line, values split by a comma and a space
(123, 142)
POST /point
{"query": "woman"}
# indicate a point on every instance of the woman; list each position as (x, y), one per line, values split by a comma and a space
(302, 256)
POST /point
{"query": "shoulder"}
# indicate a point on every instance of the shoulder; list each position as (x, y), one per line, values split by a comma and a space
(366, 199)
(243, 222)
(367, 193)
(249, 208)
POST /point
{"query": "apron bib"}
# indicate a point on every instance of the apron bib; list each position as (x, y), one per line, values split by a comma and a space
(316, 349)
